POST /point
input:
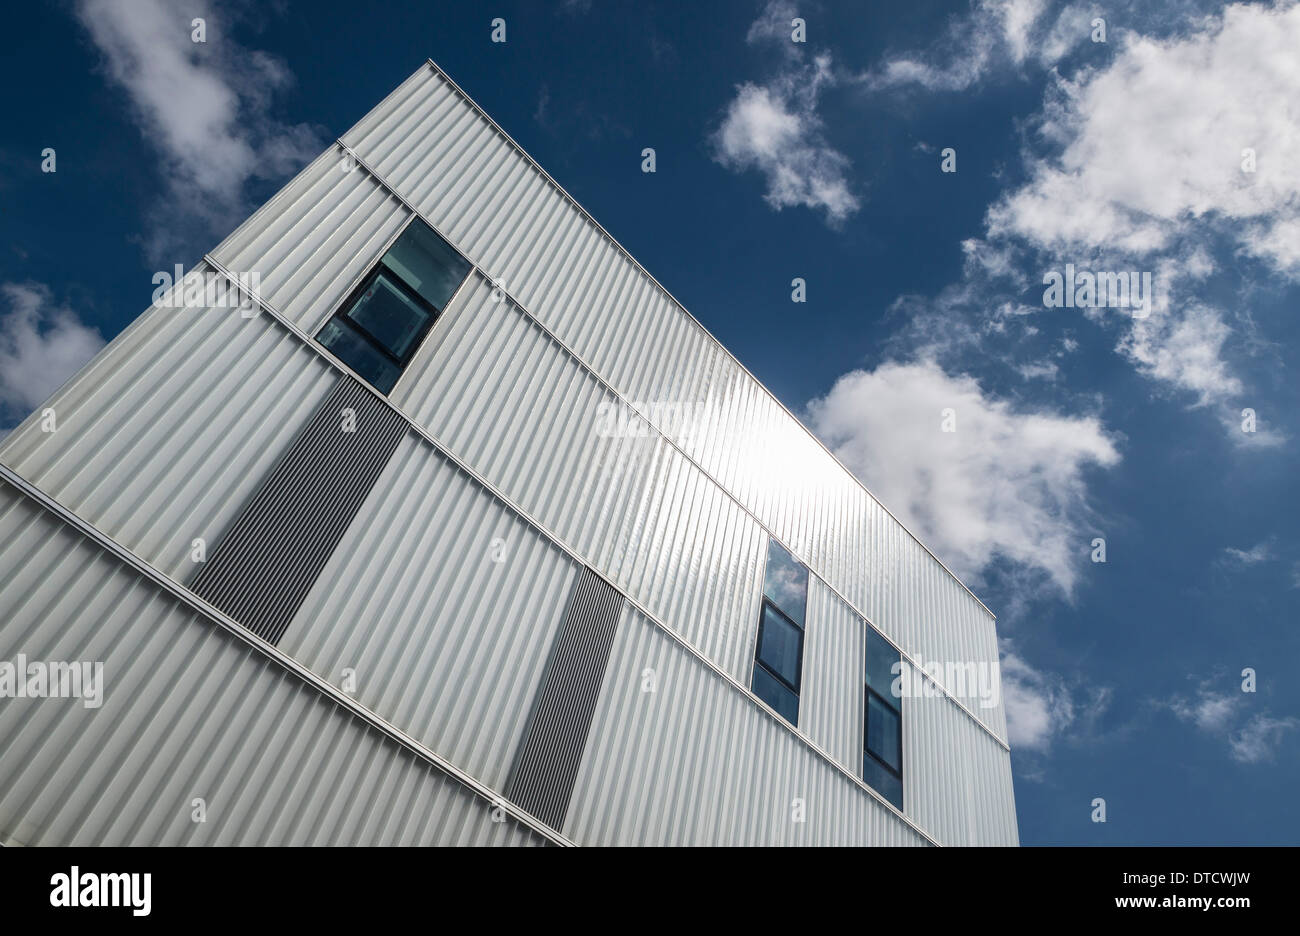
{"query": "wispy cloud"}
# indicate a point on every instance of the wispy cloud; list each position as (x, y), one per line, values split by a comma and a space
(1219, 712)
(42, 344)
(1260, 552)
(206, 109)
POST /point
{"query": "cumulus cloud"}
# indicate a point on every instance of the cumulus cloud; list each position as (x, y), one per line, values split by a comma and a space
(1190, 107)
(204, 107)
(1138, 164)
(1007, 483)
(42, 344)
(774, 127)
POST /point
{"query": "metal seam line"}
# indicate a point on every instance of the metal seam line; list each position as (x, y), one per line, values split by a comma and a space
(180, 592)
(577, 358)
(563, 547)
(623, 250)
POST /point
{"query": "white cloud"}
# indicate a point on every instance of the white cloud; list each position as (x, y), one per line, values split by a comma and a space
(994, 33)
(1259, 738)
(1261, 552)
(1216, 713)
(1152, 143)
(775, 129)
(205, 107)
(1210, 711)
(1007, 483)
(1038, 704)
(1184, 350)
(41, 345)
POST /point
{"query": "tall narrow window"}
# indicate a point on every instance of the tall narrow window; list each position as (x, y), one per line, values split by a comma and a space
(379, 327)
(882, 756)
(778, 659)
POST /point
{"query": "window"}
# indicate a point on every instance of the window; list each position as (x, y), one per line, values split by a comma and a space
(882, 756)
(778, 657)
(379, 327)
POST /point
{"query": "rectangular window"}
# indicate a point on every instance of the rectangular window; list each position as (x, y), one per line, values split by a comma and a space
(380, 326)
(778, 657)
(882, 755)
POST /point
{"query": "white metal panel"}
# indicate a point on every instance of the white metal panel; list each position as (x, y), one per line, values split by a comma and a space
(189, 710)
(834, 655)
(696, 761)
(168, 431)
(453, 165)
(443, 640)
(311, 242)
(507, 399)
(956, 779)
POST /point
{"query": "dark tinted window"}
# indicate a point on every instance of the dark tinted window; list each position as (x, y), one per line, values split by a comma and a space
(778, 656)
(780, 645)
(776, 694)
(881, 659)
(882, 781)
(381, 324)
(883, 732)
(882, 757)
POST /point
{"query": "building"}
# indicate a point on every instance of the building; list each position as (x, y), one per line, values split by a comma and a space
(450, 525)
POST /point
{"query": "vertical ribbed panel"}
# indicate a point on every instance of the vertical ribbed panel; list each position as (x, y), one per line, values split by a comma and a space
(680, 756)
(443, 604)
(431, 144)
(956, 779)
(542, 781)
(312, 241)
(266, 564)
(189, 711)
(504, 397)
(165, 435)
(830, 705)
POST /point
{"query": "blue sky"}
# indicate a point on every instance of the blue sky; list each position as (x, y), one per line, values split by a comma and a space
(822, 160)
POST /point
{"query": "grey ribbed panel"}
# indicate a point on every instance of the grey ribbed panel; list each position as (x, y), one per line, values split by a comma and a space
(557, 733)
(190, 710)
(262, 570)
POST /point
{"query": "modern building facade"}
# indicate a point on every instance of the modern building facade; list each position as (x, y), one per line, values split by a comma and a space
(447, 524)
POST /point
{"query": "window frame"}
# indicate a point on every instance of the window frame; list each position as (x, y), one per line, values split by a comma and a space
(380, 269)
(866, 729)
(893, 704)
(768, 603)
(377, 268)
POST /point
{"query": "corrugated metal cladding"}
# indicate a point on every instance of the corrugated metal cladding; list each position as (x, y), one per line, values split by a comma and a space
(314, 239)
(834, 655)
(167, 433)
(677, 755)
(508, 400)
(446, 158)
(189, 711)
(956, 779)
(264, 567)
(549, 755)
(441, 605)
